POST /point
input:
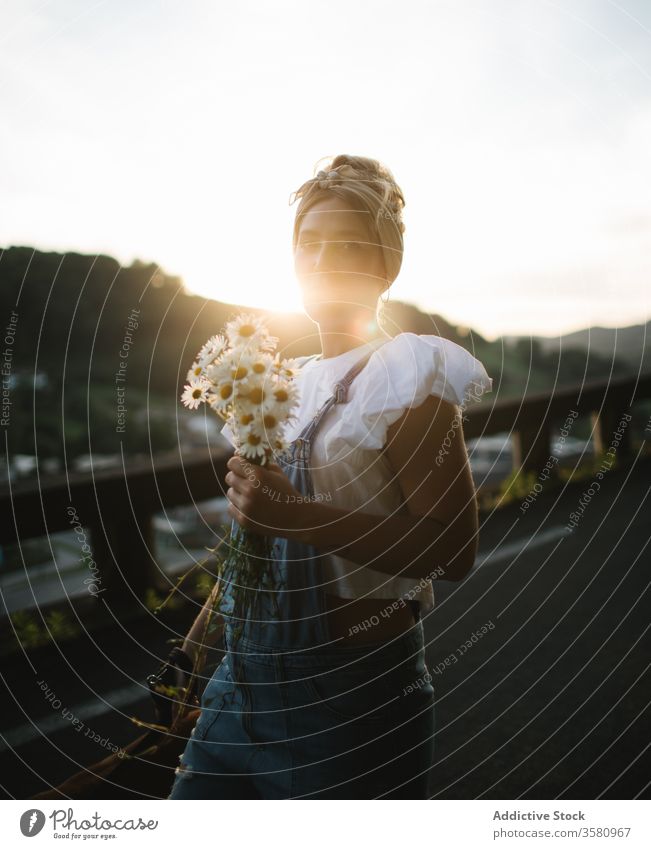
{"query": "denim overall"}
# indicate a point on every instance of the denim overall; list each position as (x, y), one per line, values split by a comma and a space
(292, 713)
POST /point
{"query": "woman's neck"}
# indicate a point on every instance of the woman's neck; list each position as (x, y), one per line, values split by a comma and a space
(339, 341)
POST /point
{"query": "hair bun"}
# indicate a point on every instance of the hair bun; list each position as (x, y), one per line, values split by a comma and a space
(378, 177)
(364, 181)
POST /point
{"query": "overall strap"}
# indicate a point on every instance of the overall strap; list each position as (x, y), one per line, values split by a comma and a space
(341, 387)
(339, 396)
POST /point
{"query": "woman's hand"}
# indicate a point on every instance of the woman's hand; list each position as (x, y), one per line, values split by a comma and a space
(263, 499)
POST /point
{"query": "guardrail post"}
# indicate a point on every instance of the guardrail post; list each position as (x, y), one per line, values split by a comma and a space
(123, 545)
(532, 449)
(612, 427)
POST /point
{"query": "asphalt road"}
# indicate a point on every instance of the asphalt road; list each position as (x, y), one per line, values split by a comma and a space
(548, 699)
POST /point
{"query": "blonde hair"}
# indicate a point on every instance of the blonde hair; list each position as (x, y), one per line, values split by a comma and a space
(364, 184)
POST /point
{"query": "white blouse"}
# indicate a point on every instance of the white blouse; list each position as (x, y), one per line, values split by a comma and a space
(347, 467)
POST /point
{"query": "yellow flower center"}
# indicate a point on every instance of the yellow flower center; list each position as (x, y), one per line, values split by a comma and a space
(226, 390)
(252, 439)
(247, 330)
(246, 418)
(256, 395)
(270, 421)
(258, 368)
(281, 395)
(196, 393)
(239, 372)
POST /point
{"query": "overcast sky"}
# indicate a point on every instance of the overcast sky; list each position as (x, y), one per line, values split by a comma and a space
(175, 132)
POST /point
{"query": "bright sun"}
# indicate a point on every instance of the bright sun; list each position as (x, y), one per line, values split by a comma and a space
(282, 296)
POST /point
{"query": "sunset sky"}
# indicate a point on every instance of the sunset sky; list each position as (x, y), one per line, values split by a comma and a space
(175, 132)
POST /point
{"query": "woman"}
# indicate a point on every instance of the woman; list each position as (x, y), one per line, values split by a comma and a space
(373, 501)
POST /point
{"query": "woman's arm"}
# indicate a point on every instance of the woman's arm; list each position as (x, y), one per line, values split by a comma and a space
(426, 450)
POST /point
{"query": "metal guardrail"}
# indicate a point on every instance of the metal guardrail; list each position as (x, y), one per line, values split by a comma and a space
(531, 420)
(117, 505)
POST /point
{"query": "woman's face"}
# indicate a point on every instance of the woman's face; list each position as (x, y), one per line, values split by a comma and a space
(338, 265)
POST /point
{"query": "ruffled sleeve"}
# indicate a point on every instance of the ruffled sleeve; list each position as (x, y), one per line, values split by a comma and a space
(399, 375)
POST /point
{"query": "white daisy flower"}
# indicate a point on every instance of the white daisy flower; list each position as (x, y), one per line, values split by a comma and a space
(194, 393)
(254, 392)
(287, 368)
(273, 414)
(195, 372)
(253, 445)
(240, 364)
(239, 375)
(218, 371)
(249, 386)
(261, 364)
(285, 393)
(213, 348)
(199, 366)
(271, 419)
(221, 395)
(249, 331)
(279, 444)
(278, 447)
(243, 420)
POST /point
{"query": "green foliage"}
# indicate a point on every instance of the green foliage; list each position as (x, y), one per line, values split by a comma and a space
(153, 600)
(518, 484)
(204, 583)
(61, 626)
(589, 466)
(27, 630)
(58, 627)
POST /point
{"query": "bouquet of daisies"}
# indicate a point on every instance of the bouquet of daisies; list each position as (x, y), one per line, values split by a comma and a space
(254, 393)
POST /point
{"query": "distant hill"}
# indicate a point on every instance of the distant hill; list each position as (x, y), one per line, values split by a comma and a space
(99, 345)
(631, 344)
(74, 307)
(84, 322)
